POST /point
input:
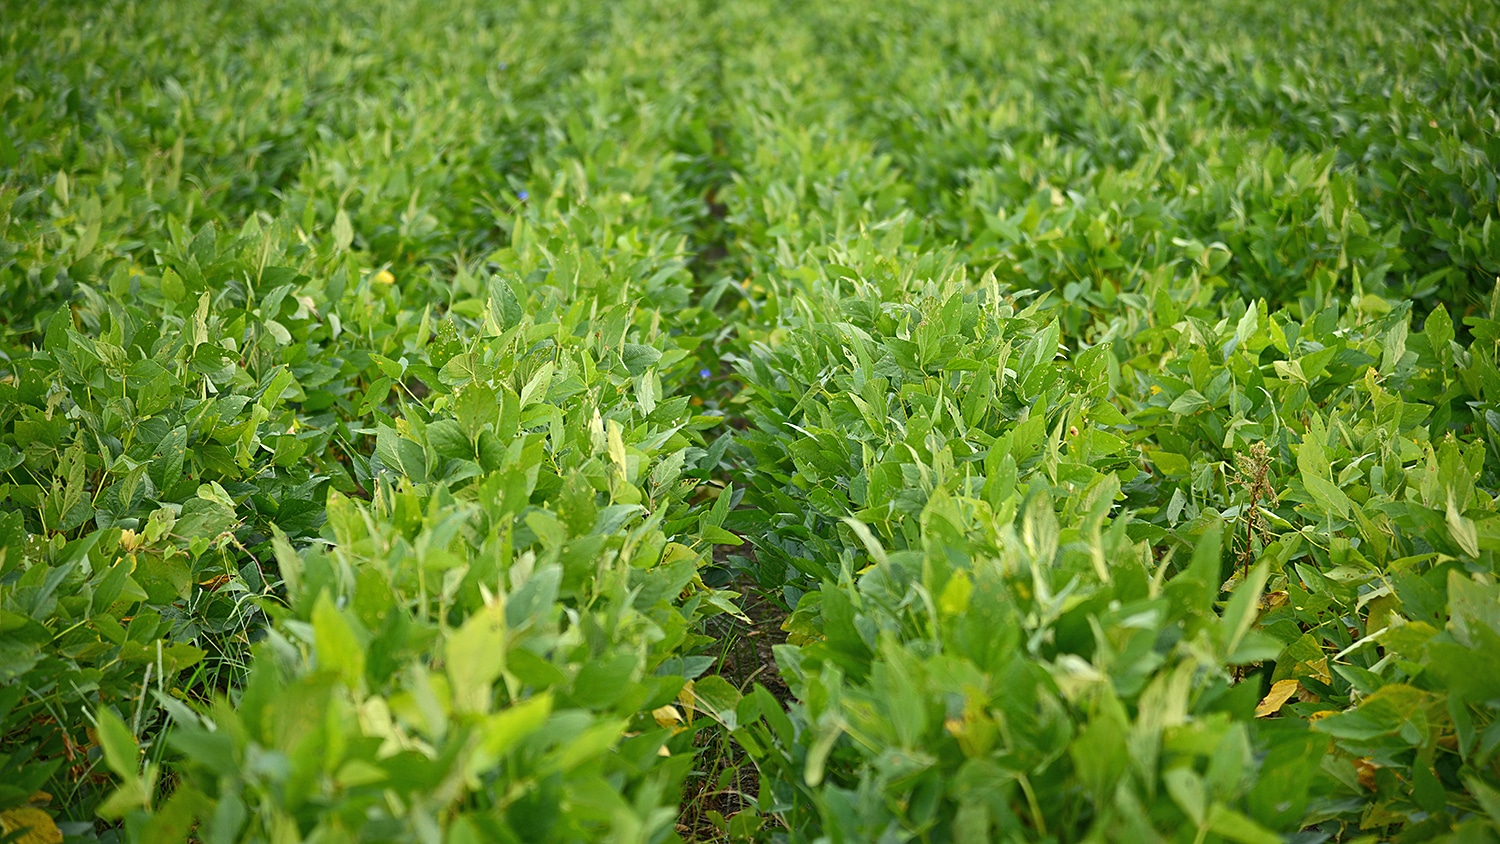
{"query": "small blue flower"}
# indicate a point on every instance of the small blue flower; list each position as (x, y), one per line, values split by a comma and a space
(523, 195)
(504, 65)
(705, 373)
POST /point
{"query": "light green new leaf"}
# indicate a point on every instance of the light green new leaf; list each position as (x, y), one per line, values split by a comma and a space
(475, 658)
(338, 647)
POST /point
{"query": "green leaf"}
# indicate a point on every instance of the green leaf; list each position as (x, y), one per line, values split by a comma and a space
(1283, 789)
(288, 562)
(1394, 346)
(603, 682)
(400, 454)
(1100, 752)
(1439, 332)
(475, 658)
(9, 156)
(475, 408)
(1311, 461)
(447, 438)
(536, 388)
(1428, 789)
(1188, 403)
(1190, 793)
(1171, 464)
(502, 731)
(1193, 591)
(166, 578)
(1244, 607)
(639, 358)
(1225, 821)
(375, 395)
(720, 536)
(279, 383)
(867, 539)
(166, 467)
(1391, 711)
(121, 753)
(715, 696)
(1462, 530)
(1488, 796)
(1330, 498)
(1247, 325)
(338, 648)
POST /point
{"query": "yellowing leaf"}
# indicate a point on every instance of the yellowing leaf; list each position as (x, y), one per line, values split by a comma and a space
(667, 716)
(1281, 692)
(955, 597)
(38, 825)
(616, 438)
(343, 230)
(1319, 669)
(476, 658)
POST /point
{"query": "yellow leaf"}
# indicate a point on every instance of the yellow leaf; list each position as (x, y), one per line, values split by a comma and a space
(1319, 670)
(666, 716)
(38, 825)
(615, 436)
(1281, 692)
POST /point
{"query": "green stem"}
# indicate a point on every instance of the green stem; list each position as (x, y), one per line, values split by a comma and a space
(1035, 807)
